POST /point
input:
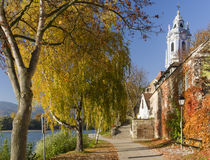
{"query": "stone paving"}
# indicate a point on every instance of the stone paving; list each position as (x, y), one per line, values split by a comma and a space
(128, 150)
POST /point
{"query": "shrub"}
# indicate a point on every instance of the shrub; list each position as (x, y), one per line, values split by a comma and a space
(173, 121)
(173, 124)
(60, 142)
(4, 151)
(30, 155)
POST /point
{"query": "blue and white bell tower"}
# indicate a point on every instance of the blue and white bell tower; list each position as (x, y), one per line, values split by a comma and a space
(178, 40)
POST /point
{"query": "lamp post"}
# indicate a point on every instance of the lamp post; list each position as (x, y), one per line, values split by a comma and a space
(181, 103)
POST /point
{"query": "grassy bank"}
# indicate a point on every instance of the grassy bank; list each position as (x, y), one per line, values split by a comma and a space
(60, 142)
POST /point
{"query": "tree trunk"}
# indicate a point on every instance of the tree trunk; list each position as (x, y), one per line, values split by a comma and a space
(97, 135)
(20, 126)
(79, 147)
(99, 130)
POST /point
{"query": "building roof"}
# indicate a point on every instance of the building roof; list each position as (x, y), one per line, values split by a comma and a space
(206, 47)
(159, 75)
(202, 48)
(147, 97)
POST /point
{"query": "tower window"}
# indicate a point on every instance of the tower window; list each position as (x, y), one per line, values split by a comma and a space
(181, 25)
(148, 89)
(172, 46)
(183, 46)
(175, 26)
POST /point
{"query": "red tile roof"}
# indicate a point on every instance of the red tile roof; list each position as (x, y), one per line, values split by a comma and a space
(147, 97)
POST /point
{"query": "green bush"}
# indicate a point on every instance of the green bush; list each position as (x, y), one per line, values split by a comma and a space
(30, 155)
(173, 124)
(4, 151)
(60, 142)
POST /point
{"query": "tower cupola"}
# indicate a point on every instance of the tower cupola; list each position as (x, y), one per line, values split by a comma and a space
(178, 22)
(178, 40)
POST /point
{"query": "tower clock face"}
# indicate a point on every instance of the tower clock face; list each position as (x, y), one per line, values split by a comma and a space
(183, 36)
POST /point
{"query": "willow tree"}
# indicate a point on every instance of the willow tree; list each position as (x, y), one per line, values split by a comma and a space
(83, 83)
(27, 21)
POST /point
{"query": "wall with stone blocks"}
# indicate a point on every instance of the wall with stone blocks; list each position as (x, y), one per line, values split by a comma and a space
(142, 129)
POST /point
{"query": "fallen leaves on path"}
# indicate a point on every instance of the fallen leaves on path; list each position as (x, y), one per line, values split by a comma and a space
(105, 151)
(172, 151)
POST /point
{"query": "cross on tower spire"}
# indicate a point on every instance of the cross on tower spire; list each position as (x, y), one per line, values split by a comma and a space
(178, 7)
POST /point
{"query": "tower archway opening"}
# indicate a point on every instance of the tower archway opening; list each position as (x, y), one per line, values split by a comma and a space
(183, 46)
(172, 46)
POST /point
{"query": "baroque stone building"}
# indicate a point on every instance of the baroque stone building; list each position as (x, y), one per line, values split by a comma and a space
(177, 79)
(184, 70)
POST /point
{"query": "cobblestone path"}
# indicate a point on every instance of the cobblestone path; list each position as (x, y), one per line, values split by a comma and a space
(129, 150)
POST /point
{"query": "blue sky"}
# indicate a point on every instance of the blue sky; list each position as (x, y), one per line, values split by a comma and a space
(149, 55)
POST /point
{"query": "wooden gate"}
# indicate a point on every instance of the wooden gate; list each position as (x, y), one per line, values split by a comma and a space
(145, 131)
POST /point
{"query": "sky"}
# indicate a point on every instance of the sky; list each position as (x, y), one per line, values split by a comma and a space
(148, 55)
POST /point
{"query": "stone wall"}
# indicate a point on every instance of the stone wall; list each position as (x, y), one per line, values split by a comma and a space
(142, 129)
(173, 83)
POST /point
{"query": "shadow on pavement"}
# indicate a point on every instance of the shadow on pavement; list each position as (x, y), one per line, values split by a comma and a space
(133, 149)
(145, 156)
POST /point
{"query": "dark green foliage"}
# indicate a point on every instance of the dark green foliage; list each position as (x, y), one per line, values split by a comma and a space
(6, 123)
(30, 155)
(4, 151)
(34, 124)
(173, 124)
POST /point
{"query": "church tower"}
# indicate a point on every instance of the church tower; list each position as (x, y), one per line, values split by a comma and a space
(178, 40)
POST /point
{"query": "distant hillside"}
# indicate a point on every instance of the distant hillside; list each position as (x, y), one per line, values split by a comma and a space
(6, 108)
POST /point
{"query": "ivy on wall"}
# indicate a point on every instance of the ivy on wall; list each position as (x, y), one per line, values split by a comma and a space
(197, 104)
(197, 115)
(174, 115)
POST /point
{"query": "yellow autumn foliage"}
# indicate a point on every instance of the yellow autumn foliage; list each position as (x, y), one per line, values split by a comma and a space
(89, 66)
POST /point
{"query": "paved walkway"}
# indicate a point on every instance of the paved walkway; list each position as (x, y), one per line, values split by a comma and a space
(128, 150)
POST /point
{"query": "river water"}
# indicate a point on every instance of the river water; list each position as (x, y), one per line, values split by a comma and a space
(33, 136)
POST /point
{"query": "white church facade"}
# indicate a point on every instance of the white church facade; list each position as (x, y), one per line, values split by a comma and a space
(144, 108)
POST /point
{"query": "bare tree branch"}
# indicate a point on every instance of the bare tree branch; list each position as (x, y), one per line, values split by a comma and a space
(61, 10)
(39, 35)
(10, 65)
(43, 43)
(21, 14)
(24, 37)
(10, 38)
(57, 9)
(22, 20)
(63, 123)
(105, 7)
